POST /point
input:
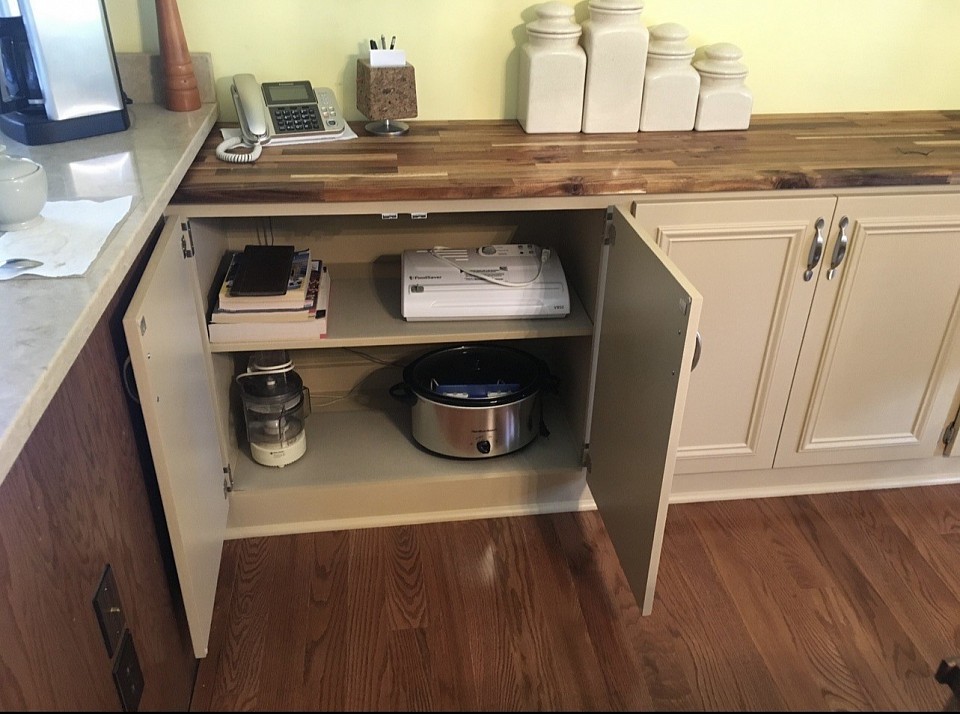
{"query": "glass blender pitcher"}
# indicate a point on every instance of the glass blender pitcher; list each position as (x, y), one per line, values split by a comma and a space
(275, 407)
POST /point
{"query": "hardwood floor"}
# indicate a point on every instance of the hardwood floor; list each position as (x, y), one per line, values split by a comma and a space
(829, 602)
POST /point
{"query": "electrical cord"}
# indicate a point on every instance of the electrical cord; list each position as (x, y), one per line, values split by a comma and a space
(259, 372)
(544, 256)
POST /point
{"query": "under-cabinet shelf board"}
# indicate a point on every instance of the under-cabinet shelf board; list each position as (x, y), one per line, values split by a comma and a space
(365, 311)
(363, 468)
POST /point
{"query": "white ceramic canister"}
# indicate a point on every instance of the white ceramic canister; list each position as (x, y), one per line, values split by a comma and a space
(671, 86)
(725, 102)
(615, 42)
(23, 192)
(553, 70)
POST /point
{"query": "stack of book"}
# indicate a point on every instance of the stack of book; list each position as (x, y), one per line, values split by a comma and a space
(252, 304)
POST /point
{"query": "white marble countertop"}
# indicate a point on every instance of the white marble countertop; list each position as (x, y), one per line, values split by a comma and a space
(46, 321)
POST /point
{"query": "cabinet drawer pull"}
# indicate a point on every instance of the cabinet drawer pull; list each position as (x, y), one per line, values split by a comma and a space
(840, 250)
(816, 250)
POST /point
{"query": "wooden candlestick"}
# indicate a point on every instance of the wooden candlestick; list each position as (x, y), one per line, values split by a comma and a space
(180, 81)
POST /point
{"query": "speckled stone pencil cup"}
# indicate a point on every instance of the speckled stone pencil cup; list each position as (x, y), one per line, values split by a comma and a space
(385, 95)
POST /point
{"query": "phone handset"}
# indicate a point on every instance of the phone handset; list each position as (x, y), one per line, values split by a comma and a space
(254, 122)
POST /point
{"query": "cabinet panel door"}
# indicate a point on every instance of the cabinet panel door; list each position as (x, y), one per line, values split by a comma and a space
(163, 328)
(880, 364)
(644, 350)
(747, 258)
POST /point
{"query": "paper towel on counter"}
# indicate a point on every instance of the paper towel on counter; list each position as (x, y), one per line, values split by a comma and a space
(68, 239)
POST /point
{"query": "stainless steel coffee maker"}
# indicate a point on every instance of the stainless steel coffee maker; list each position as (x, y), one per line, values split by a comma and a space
(59, 76)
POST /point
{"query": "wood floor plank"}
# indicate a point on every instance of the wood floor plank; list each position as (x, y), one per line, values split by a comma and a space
(447, 591)
(366, 678)
(928, 605)
(326, 625)
(243, 648)
(770, 571)
(405, 585)
(872, 634)
(924, 513)
(607, 619)
(715, 648)
(284, 684)
(530, 658)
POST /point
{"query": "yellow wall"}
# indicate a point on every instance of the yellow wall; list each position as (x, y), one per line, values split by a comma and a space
(803, 55)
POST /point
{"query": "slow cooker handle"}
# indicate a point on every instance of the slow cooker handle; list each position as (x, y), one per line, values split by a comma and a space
(401, 392)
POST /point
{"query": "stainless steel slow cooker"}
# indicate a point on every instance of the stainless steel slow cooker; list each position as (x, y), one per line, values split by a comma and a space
(474, 401)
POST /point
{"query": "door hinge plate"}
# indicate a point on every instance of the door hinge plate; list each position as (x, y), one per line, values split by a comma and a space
(950, 433)
(186, 240)
(609, 233)
(227, 480)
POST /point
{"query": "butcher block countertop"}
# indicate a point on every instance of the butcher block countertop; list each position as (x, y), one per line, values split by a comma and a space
(467, 160)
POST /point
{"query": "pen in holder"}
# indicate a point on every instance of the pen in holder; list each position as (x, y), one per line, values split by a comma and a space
(386, 92)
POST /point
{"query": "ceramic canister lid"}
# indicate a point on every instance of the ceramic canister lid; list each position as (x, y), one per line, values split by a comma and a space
(13, 168)
(626, 6)
(669, 40)
(554, 19)
(721, 59)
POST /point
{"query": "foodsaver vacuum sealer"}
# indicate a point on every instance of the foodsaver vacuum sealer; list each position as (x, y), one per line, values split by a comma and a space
(490, 282)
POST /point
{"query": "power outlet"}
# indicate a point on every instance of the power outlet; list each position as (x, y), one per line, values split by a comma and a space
(106, 603)
(127, 674)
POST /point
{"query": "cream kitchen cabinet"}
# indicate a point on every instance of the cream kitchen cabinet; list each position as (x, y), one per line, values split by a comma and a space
(748, 257)
(622, 359)
(807, 364)
(879, 371)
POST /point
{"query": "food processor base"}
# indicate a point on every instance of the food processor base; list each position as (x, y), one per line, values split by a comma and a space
(274, 455)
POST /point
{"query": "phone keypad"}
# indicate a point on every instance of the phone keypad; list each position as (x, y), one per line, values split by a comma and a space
(296, 117)
(329, 114)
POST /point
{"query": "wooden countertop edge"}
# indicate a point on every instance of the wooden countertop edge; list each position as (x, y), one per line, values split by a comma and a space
(495, 159)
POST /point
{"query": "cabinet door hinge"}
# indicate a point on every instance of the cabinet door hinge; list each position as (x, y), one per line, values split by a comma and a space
(950, 433)
(227, 480)
(585, 458)
(609, 230)
(186, 240)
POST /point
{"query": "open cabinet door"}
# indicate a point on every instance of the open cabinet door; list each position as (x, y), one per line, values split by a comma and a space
(644, 355)
(172, 368)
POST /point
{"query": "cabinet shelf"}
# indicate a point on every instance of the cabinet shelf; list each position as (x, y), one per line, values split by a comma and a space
(365, 311)
(341, 481)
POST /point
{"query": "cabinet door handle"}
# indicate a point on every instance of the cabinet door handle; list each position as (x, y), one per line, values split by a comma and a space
(840, 249)
(816, 250)
(129, 383)
(696, 352)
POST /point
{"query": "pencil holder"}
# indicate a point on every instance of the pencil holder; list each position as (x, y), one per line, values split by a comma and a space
(386, 95)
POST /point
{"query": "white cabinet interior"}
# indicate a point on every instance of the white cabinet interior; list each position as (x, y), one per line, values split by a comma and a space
(857, 365)
(362, 467)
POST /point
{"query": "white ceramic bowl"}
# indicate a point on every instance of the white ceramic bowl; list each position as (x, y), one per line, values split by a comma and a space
(23, 192)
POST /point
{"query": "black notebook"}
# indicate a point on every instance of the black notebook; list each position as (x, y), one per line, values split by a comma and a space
(263, 270)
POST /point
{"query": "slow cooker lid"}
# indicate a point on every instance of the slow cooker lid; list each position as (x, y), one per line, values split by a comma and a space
(475, 375)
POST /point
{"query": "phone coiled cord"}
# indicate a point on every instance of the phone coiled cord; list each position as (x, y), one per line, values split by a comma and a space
(224, 152)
